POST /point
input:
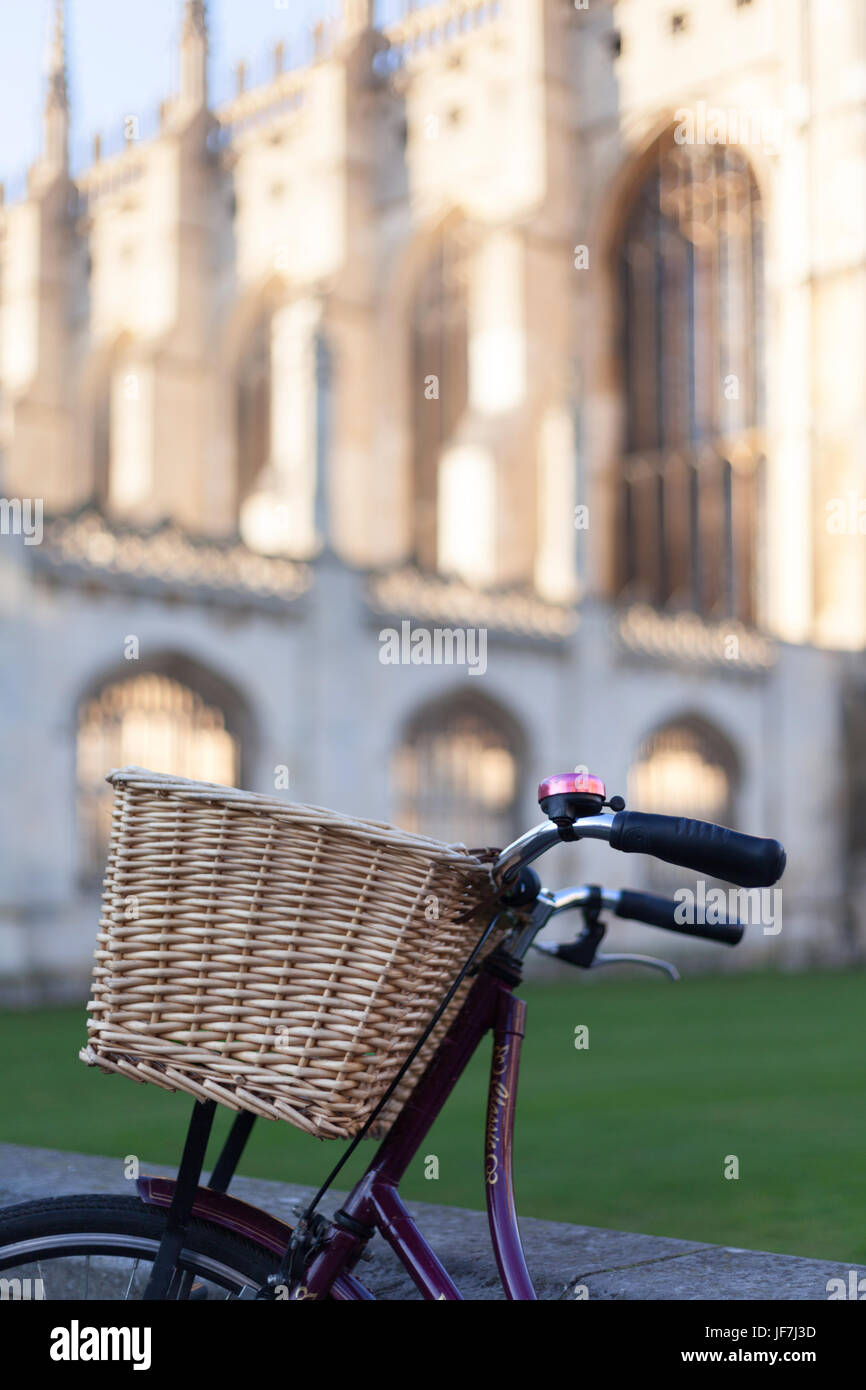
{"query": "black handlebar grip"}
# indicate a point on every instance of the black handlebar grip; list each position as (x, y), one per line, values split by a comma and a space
(698, 845)
(661, 912)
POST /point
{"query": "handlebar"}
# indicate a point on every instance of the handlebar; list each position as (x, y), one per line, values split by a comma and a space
(533, 843)
(574, 804)
(590, 898)
(661, 912)
(707, 849)
(713, 850)
(637, 907)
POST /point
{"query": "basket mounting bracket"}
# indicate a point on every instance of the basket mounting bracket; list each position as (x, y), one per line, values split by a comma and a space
(165, 1280)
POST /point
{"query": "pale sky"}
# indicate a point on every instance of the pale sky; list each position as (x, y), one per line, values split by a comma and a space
(122, 60)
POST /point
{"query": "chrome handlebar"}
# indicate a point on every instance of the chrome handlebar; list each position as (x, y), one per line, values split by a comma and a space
(697, 846)
(540, 839)
(548, 905)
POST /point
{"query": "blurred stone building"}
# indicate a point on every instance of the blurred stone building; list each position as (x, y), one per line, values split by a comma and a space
(535, 321)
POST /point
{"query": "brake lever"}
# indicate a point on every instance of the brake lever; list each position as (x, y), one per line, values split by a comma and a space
(584, 952)
(578, 954)
(652, 962)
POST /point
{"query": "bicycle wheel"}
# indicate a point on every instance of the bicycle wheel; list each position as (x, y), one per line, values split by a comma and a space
(102, 1247)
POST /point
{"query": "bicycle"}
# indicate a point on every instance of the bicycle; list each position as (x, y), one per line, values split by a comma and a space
(189, 1240)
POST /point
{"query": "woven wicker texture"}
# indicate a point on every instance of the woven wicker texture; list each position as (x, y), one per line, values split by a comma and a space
(274, 957)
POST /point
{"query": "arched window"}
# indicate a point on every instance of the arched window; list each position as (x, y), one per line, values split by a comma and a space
(456, 775)
(685, 768)
(147, 720)
(439, 379)
(691, 279)
(284, 426)
(253, 409)
(121, 417)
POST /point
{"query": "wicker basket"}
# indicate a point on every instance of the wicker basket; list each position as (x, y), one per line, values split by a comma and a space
(274, 957)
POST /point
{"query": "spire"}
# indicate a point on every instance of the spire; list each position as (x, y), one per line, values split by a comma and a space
(195, 19)
(357, 16)
(193, 54)
(55, 119)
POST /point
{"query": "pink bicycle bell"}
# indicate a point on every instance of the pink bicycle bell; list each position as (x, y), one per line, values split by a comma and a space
(568, 795)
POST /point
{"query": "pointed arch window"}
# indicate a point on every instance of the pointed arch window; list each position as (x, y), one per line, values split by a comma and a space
(148, 720)
(253, 409)
(456, 776)
(691, 278)
(684, 768)
(284, 418)
(121, 423)
(439, 378)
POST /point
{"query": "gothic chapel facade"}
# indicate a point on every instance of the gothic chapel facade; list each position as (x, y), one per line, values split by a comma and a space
(528, 318)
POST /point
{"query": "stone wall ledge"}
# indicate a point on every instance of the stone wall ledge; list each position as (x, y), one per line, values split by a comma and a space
(609, 1264)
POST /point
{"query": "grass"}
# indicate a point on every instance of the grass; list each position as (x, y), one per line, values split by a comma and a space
(632, 1133)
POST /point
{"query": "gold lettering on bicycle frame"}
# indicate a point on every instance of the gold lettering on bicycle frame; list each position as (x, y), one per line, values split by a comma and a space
(498, 1096)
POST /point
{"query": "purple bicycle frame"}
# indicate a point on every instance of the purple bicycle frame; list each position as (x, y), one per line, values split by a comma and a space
(375, 1202)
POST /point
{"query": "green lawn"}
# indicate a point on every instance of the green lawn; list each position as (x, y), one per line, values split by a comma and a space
(632, 1133)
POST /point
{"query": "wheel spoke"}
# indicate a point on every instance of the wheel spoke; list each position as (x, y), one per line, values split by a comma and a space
(107, 1261)
(104, 1274)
